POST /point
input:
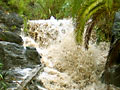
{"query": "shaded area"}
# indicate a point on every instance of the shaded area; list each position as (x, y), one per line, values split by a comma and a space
(112, 69)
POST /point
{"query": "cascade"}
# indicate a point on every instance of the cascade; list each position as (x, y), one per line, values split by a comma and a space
(67, 66)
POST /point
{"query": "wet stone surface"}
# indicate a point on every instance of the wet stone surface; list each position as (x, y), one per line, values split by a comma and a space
(10, 37)
(14, 55)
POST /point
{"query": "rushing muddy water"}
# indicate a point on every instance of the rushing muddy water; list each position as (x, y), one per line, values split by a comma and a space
(67, 65)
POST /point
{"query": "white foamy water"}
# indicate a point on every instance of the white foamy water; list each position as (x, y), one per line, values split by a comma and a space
(67, 65)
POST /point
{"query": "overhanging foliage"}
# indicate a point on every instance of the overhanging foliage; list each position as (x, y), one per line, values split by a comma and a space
(101, 13)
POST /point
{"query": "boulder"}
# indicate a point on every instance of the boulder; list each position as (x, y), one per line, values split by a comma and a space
(116, 28)
(14, 55)
(111, 74)
(10, 22)
(112, 68)
(10, 37)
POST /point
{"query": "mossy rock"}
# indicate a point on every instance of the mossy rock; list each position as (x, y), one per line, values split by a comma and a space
(11, 22)
(10, 37)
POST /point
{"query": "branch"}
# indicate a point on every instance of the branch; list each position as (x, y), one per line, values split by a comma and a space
(33, 73)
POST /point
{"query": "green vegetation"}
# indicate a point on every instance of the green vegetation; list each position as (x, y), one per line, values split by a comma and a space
(101, 13)
(38, 9)
(3, 84)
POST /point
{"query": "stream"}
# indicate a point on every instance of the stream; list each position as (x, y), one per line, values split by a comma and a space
(66, 66)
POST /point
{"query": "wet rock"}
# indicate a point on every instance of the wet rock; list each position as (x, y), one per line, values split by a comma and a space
(14, 55)
(13, 19)
(31, 54)
(3, 27)
(10, 22)
(21, 75)
(10, 37)
(112, 68)
(116, 28)
(111, 74)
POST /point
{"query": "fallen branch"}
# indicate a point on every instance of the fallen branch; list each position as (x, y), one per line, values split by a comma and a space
(29, 78)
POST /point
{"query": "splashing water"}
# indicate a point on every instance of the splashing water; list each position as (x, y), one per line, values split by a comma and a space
(67, 65)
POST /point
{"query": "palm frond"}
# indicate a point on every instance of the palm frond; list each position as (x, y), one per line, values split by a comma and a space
(88, 34)
(84, 15)
(89, 10)
(109, 4)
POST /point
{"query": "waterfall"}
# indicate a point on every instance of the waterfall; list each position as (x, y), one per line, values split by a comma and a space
(67, 66)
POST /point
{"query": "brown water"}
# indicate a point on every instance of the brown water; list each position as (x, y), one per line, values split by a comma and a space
(67, 65)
